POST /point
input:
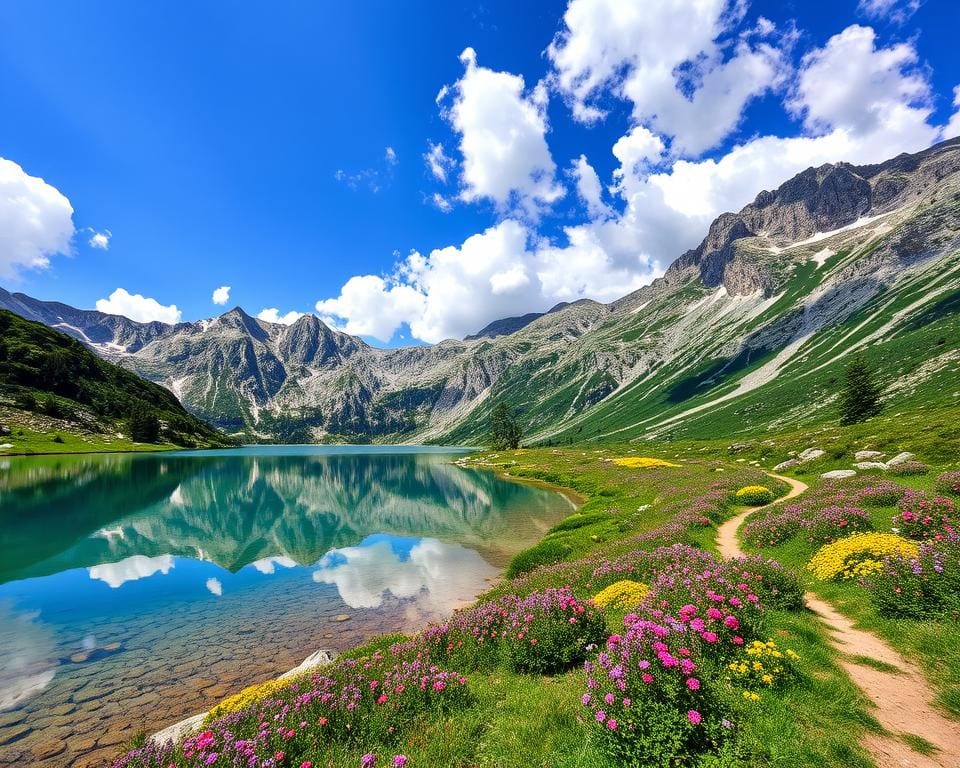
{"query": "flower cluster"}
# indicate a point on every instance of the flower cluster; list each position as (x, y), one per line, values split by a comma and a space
(816, 523)
(924, 586)
(550, 631)
(353, 703)
(762, 666)
(648, 700)
(624, 595)
(922, 518)
(910, 468)
(882, 493)
(949, 482)
(642, 462)
(249, 695)
(858, 555)
(754, 495)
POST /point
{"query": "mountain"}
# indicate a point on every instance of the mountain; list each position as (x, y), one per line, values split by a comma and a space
(45, 372)
(747, 331)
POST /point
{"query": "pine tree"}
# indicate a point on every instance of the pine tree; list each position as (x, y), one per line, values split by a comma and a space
(860, 398)
(504, 430)
(144, 427)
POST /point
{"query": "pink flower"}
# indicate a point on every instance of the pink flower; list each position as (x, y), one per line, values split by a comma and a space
(612, 724)
(399, 761)
(694, 717)
(709, 637)
(693, 684)
(647, 677)
(731, 622)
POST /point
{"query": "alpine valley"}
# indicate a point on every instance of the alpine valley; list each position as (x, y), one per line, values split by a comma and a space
(750, 330)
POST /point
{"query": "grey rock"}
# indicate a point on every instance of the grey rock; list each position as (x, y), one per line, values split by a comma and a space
(900, 458)
(871, 465)
(838, 474)
(810, 454)
(867, 455)
(786, 465)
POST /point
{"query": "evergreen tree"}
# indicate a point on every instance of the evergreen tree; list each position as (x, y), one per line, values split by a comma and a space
(144, 427)
(504, 430)
(860, 398)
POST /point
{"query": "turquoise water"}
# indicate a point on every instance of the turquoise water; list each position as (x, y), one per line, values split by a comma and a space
(138, 589)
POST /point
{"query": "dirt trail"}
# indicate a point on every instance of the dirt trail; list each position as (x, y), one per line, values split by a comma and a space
(903, 700)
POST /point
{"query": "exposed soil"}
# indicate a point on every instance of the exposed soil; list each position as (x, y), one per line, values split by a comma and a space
(902, 700)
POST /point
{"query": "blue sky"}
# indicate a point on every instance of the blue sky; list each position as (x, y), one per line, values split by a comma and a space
(279, 148)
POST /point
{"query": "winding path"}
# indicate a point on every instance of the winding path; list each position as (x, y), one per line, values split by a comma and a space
(903, 700)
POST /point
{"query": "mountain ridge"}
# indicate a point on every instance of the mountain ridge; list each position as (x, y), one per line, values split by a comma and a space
(758, 294)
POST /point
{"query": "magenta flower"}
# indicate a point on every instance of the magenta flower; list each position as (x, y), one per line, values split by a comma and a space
(694, 717)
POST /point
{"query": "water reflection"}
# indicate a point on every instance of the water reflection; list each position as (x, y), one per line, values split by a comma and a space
(28, 660)
(379, 566)
(124, 515)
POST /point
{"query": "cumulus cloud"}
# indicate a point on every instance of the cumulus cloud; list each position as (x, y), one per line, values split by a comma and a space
(369, 305)
(268, 565)
(100, 240)
(897, 11)
(36, 221)
(952, 128)
(221, 295)
(273, 315)
(441, 203)
(214, 586)
(674, 60)
(502, 129)
(138, 308)
(132, 568)
(589, 188)
(390, 155)
(437, 161)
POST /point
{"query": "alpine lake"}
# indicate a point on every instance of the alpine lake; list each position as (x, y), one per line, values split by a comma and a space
(139, 589)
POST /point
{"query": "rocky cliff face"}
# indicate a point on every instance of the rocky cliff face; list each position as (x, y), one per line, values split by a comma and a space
(838, 259)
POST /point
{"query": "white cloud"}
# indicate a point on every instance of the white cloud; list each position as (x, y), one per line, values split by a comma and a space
(28, 663)
(132, 568)
(100, 240)
(952, 128)
(214, 586)
(502, 139)
(36, 221)
(272, 315)
(390, 155)
(221, 295)
(588, 187)
(441, 203)
(439, 577)
(138, 308)
(368, 305)
(437, 161)
(897, 11)
(852, 84)
(669, 59)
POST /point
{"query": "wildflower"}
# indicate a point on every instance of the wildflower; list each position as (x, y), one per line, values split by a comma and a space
(368, 760)
(694, 717)
(399, 761)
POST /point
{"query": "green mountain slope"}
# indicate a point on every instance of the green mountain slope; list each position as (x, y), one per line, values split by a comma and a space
(48, 378)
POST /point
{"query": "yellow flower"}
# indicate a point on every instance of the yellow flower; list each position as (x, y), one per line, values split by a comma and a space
(248, 696)
(858, 555)
(642, 462)
(623, 595)
(768, 679)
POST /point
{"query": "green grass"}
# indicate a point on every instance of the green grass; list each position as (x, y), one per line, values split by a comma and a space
(933, 645)
(26, 441)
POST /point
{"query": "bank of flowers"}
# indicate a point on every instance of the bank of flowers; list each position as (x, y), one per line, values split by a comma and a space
(921, 586)
(753, 495)
(922, 517)
(859, 555)
(949, 482)
(642, 462)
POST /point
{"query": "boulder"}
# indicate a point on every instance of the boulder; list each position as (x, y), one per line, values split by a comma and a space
(838, 474)
(900, 458)
(810, 454)
(173, 734)
(867, 455)
(786, 464)
(314, 660)
(871, 465)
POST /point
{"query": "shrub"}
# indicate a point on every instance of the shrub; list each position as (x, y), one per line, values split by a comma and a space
(549, 632)
(921, 518)
(922, 587)
(835, 521)
(754, 495)
(910, 468)
(818, 525)
(883, 493)
(777, 587)
(763, 666)
(858, 555)
(949, 482)
(642, 462)
(623, 595)
(650, 706)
